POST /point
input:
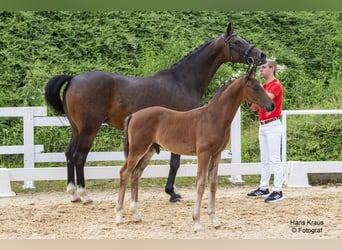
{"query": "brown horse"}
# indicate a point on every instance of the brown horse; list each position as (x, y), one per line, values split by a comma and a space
(94, 98)
(203, 131)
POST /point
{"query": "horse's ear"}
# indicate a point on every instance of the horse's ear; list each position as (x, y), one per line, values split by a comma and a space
(230, 29)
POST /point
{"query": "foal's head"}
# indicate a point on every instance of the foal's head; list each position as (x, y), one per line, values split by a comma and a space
(254, 93)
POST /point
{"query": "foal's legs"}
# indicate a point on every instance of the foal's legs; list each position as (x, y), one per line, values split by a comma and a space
(202, 171)
(212, 180)
(121, 194)
(125, 173)
(169, 188)
(135, 177)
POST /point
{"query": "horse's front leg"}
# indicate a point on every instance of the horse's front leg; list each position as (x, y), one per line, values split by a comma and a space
(202, 170)
(169, 188)
(212, 180)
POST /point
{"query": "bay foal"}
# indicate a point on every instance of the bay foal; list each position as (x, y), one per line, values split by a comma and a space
(203, 131)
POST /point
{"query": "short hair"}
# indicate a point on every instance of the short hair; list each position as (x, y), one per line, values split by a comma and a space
(272, 64)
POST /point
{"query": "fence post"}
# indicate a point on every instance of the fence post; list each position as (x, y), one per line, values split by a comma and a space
(5, 184)
(235, 139)
(283, 137)
(28, 143)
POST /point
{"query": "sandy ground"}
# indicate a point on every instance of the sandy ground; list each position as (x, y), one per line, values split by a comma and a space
(305, 213)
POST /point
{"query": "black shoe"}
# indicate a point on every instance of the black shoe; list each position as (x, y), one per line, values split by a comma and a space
(259, 193)
(275, 197)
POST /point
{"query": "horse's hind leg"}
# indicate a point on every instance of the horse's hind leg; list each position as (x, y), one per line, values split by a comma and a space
(135, 177)
(169, 188)
(82, 141)
(125, 172)
(71, 172)
(80, 155)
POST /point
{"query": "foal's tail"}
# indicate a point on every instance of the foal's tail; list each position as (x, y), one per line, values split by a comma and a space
(52, 92)
(126, 142)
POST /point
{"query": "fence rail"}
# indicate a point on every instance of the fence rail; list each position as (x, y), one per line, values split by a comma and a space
(37, 117)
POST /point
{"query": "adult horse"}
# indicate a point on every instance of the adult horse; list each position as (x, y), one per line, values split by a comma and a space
(93, 98)
(204, 132)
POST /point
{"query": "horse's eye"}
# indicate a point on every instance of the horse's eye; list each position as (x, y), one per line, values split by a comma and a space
(237, 42)
(256, 88)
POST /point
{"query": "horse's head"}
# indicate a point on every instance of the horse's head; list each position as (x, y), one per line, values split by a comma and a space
(255, 93)
(239, 50)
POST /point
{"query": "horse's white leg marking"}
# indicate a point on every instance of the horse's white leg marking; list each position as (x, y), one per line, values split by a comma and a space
(72, 191)
(119, 217)
(134, 208)
(197, 207)
(121, 195)
(211, 211)
(196, 214)
(202, 171)
(83, 194)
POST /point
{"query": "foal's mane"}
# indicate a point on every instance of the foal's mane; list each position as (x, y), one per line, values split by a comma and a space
(221, 90)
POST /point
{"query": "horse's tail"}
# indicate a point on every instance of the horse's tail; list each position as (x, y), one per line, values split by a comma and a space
(52, 92)
(126, 142)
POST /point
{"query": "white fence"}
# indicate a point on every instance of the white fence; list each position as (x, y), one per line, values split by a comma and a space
(37, 117)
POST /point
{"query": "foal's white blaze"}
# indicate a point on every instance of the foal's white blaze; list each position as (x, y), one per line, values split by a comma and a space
(134, 208)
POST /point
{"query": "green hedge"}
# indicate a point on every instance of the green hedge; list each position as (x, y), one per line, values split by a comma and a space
(34, 46)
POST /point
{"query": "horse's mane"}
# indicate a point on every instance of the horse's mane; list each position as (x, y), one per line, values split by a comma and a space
(192, 52)
(220, 90)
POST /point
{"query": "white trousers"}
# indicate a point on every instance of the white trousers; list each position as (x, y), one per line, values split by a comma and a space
(270, 142)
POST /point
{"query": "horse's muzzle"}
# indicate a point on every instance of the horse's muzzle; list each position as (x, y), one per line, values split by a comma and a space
(270, 108)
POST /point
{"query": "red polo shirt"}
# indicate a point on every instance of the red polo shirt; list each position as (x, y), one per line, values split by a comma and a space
(276, 89)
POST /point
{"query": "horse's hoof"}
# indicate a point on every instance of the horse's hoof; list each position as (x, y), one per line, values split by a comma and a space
(87, 201)
(75, 200)
(175, 198)
(216, 223)
(197, 229)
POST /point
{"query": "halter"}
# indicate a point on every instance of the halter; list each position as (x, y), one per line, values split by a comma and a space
(248, 60)
(251, 68)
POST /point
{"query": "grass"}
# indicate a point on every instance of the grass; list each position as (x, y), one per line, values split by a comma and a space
(60, 186)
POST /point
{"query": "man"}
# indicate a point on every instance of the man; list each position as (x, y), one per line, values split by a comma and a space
(270, 137)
